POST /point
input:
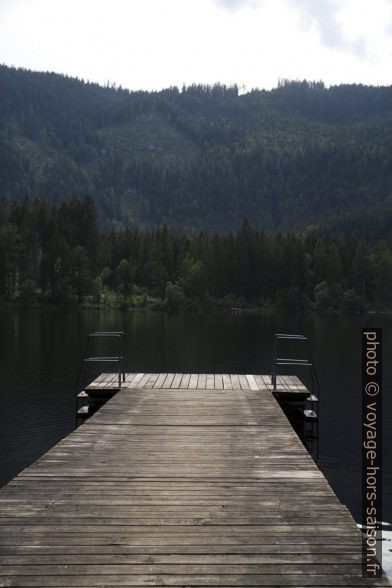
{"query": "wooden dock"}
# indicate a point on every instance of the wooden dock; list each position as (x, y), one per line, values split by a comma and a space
(179, 480)
(291, 385)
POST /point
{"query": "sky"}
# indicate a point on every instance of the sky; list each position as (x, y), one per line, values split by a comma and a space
(154, 44)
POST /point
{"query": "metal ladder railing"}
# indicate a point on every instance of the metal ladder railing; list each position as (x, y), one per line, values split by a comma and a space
(311, 415)
(82, 395)
(306, 361)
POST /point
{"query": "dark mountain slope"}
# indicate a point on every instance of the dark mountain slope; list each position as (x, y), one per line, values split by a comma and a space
(199, 157)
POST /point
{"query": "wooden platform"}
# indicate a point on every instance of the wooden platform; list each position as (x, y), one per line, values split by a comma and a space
(285, 384)
(170, 486)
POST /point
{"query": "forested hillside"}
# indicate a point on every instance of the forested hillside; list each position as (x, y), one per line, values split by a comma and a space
(51, 254)
(197, 157)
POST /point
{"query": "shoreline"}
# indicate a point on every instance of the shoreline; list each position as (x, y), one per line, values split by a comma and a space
(195, 307)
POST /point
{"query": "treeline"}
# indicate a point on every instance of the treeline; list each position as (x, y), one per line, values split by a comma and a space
(371, 226)
(58, 255)
(197, 157)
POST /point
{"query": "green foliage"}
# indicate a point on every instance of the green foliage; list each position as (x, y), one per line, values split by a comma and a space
(353, 302)
(174, 297)
(328, 297)
(46, 256)
(203, 157)
(124, 277)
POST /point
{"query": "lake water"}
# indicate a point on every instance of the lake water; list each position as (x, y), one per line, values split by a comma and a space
(40, 353)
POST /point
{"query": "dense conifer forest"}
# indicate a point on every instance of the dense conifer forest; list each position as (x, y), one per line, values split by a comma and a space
(199, 157)
(137, 199)
(59, 255)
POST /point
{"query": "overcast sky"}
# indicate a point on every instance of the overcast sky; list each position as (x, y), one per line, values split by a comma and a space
(151, 44)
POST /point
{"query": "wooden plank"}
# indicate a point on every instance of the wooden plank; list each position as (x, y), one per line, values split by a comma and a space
(267, 382)
(105, 382)
(287, 382)
(297, 383)
(135, 380)
(114, 379)
(170, 484)
(129, 379)
(184, 569)
(193, 381)
(281, 382)
(260, 382)
(168, 380)
(176, 381)
(143, 381)
(218, 381)
(151, 381)
(155, 578)
(201, 381)
(174, 559)
(243, 382)
(235, 382)
(227, 385)
(185, 381)
(252, 382)
(95, 383)
(159, 381)
(210, 382)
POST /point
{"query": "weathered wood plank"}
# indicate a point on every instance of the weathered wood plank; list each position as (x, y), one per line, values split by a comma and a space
(201, 381)
(129, 379)
(235, 382)
(227, 385)
(252, 382)
(151, 381)
(185, 381)
(179, 480)
(143, 381)
(97, 381)
(161, 378)
(218, 378)
(136, 379)
(193, 381)
(210, 382)
(177, 579)
(176, 381)
(168, 380)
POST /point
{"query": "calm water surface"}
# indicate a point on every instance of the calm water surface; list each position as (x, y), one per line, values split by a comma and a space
(40, 353)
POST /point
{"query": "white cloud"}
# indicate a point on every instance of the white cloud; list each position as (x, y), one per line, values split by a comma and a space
(152, 44)
(234, 5)
(324, 14)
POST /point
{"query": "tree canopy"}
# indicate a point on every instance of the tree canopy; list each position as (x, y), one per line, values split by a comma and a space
(58, 254)
(199, 157)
